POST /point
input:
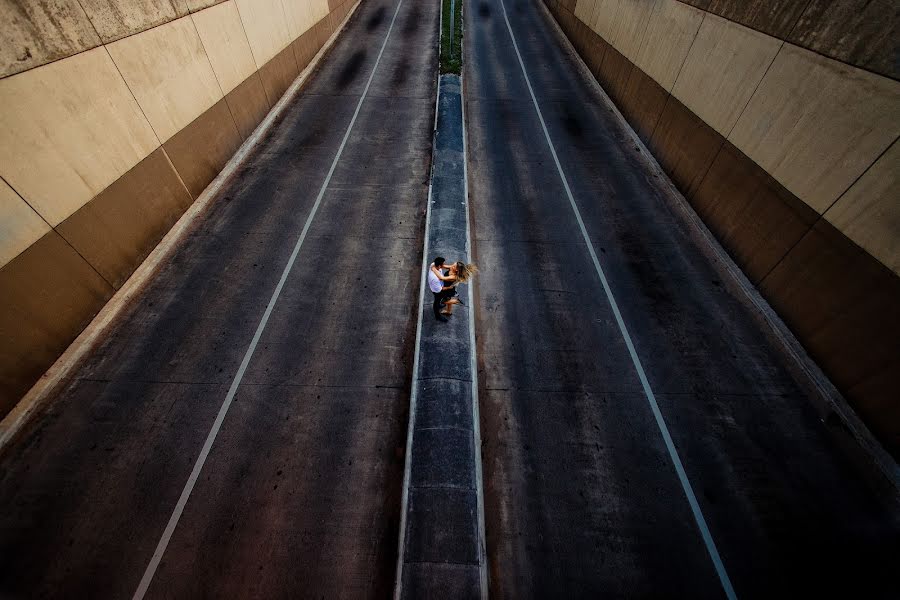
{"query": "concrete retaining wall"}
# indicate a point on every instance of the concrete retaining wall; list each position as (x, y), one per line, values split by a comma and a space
(114, 117)
(779, 123)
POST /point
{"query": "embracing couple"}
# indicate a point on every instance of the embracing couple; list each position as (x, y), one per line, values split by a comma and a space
(442, 281)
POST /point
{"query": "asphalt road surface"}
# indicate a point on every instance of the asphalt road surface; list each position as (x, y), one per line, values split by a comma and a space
(581, 495)
(300, 495)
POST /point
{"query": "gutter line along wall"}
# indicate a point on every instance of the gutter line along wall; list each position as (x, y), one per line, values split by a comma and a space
(114, 117)
(778, 121)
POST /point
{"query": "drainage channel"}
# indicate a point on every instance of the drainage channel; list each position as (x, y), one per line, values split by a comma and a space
(442, 549)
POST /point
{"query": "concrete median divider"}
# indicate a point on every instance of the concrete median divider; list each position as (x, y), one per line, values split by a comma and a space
(442, 548)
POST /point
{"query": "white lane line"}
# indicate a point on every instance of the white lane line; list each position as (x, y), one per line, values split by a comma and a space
(217, 424)
(476, 418)
(651, 398)
(414, 394)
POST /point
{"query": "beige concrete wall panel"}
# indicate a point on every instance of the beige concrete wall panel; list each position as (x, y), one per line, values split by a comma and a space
(49, 295)
(579, 36)
(115, 19)
(300, 18)
(842, 305)
(116, 230)
(200, 150)
(20, 226)
(816, 124)
(604, 20)
(584, 10)
(169, 73)
(614, 73)
(631, 26)
(864, 33)
(52, 114)
(41, 31)
(248, 105)
(869, 212)
(596, 52)
(775, 17)
(266, 27)
(684, 145)
(278, 74)
(319, 34)
(225, 43)
(331, 23)
(670, 32)
(198, 5)
(568, 23)
(305, 48)
(722, 69)
(754, 217)
(642, 103)
(320, 8)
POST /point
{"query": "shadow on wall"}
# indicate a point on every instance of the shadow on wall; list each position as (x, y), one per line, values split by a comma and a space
(113, 122)
(745, 106)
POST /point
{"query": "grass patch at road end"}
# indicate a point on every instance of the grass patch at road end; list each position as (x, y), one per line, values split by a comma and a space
(451, 51)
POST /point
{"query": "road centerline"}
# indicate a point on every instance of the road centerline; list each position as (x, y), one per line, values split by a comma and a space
(158, 553)
(648, 392)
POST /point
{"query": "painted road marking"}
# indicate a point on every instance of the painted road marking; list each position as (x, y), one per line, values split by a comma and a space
(651, 398)
(217, 424)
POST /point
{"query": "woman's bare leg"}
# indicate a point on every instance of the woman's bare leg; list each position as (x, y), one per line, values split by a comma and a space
(449, 305)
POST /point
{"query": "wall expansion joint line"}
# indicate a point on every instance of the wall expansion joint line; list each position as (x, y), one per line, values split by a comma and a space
(147, 579)
(636, 361)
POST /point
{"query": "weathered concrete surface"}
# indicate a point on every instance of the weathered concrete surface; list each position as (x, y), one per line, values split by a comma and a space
(301, 491)
(443, 540)
(581, 499)
(116, 19)
(35, 33)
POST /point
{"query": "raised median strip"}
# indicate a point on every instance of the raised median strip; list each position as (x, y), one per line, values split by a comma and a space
(442, 551)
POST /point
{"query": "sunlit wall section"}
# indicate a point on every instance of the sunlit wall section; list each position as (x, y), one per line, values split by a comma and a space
(779, 123)
(114, 117)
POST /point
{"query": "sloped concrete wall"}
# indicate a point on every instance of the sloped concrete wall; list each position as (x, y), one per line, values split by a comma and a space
(114, 117)
(779, 123)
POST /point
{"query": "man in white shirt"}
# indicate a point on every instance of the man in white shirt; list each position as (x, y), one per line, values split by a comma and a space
(441, 292)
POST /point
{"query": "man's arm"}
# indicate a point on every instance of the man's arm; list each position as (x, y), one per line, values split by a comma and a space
(437, 272)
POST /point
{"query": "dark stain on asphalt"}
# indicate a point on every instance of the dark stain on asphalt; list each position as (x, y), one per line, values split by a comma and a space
(572, 124)
(400, 73)
(654, 286)
(375, 20)
(484, 11)
(411, 23)
(351, 69)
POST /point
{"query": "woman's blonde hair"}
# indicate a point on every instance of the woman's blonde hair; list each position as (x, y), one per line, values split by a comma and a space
(464, 271)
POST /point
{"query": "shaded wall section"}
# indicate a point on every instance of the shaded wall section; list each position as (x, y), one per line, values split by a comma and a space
(778, 121)
(114, 117)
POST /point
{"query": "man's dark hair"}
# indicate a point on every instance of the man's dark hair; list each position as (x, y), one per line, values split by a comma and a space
(438, 261)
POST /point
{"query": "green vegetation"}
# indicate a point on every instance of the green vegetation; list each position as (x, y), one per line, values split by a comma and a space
(451, 53)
